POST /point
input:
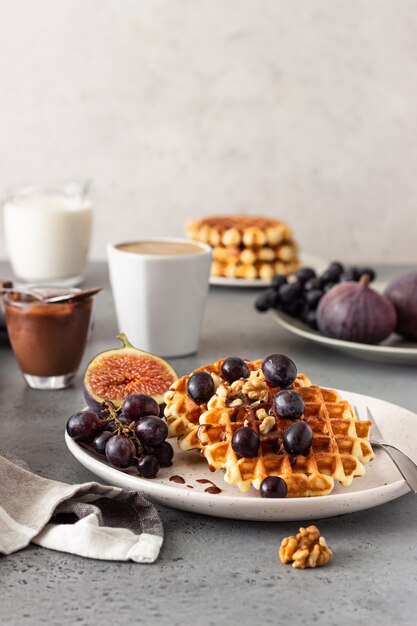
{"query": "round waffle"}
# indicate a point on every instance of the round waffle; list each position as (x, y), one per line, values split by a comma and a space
(183, 414)
(236, 230)
(247, 246)
(339, 451)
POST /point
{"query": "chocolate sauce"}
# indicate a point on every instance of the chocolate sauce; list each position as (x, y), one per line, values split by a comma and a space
(190, 487)
(212, 490)
(213, 487)
(177, 479)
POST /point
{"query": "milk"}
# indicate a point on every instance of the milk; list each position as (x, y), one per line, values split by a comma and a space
(47, 236)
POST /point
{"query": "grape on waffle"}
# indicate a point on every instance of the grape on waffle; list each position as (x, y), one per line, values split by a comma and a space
(183, 414)
(339, 450)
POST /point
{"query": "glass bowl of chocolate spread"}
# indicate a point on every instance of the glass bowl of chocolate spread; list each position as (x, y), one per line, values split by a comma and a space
(48, 337)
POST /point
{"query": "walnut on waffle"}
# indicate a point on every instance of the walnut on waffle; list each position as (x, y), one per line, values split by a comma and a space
(339, 450)
(183, 414)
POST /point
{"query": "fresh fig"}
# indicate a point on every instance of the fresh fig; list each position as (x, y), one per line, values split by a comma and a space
(355, 312)
(115, 374)
(402, 292)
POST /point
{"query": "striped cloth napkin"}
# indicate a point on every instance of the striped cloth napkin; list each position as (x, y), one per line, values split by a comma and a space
(90, 520)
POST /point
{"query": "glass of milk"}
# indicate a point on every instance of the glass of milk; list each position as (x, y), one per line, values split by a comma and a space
(47, 231)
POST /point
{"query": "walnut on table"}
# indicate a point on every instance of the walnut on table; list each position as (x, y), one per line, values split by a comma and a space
(307, 549)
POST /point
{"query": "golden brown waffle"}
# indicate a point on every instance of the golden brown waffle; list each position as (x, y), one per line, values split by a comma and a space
(265, 271)
(236, 230)
(183, 414)
(247, 246)
(339, 451)
(286, 253)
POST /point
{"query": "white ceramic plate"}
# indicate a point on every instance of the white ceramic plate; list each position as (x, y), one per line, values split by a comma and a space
(310, 260)
(392, 350)
(381, 483)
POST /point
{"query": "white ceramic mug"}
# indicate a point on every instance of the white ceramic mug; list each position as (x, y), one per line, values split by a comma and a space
(160, 298)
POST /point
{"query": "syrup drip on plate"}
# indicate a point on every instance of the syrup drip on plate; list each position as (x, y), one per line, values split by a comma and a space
(213, 487)
(177, 479)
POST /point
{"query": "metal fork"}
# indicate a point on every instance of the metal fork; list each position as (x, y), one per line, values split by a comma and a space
(406, 467)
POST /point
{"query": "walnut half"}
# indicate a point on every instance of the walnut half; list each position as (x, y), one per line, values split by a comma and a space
(307, 549)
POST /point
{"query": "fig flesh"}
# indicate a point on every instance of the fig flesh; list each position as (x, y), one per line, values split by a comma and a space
(355, 312)
(115, 374)
(402, 292)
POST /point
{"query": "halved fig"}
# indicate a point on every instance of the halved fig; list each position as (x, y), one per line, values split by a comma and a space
(115, 374)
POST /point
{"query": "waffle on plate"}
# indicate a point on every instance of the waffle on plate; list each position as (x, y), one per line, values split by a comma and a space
(339, 451)
(247, 246)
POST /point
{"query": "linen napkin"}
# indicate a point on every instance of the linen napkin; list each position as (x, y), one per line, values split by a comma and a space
(90, 519)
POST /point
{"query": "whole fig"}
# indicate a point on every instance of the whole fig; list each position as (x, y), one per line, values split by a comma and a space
(355, 312)
(402, 291)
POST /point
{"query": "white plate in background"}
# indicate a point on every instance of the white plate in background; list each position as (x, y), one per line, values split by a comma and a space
(392, 350)
(381, 483)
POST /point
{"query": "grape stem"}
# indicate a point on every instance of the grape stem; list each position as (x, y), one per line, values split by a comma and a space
(124, 430)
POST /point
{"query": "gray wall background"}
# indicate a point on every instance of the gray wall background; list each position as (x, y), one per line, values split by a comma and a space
(306, 110)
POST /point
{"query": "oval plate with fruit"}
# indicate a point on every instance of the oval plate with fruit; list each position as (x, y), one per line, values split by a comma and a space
(392, 350)
(343, 309)
(189, 485)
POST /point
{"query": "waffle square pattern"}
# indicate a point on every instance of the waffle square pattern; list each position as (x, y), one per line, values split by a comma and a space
(340, 447)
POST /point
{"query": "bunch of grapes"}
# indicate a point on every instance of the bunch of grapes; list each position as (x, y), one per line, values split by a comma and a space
(133, 435)
(300, 295)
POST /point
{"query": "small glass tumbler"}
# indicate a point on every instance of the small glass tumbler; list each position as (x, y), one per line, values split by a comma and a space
(48, 338)
(47, 230)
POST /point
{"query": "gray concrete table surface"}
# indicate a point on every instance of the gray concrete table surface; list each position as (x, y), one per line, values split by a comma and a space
(211, 571)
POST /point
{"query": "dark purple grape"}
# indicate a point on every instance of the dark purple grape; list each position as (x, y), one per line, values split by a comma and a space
(234, 368)
(337, 267)
(164, 453)
(329, 286)
(200, 387)
(119, 451)
(313, 297)
(123, 419)
(139, 404)
(287, 293)
(331, 275)
(350, 274)
(246, 441)
(304, 274)
(279, 370)
(99, 442)
(367, 270)
(266, 300)
(278, 280)
(310, 318)
(111, 426)
(148, 466)
(294, 307)
(313, 283)
(151, 431)
(289, 404)
(298, 438)
(84, 426)
(273, 487)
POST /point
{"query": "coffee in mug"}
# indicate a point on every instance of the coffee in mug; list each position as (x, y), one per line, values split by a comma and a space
(160, 288)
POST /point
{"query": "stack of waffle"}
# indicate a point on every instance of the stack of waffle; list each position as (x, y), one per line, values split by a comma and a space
(247, 246)
(339, 451)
